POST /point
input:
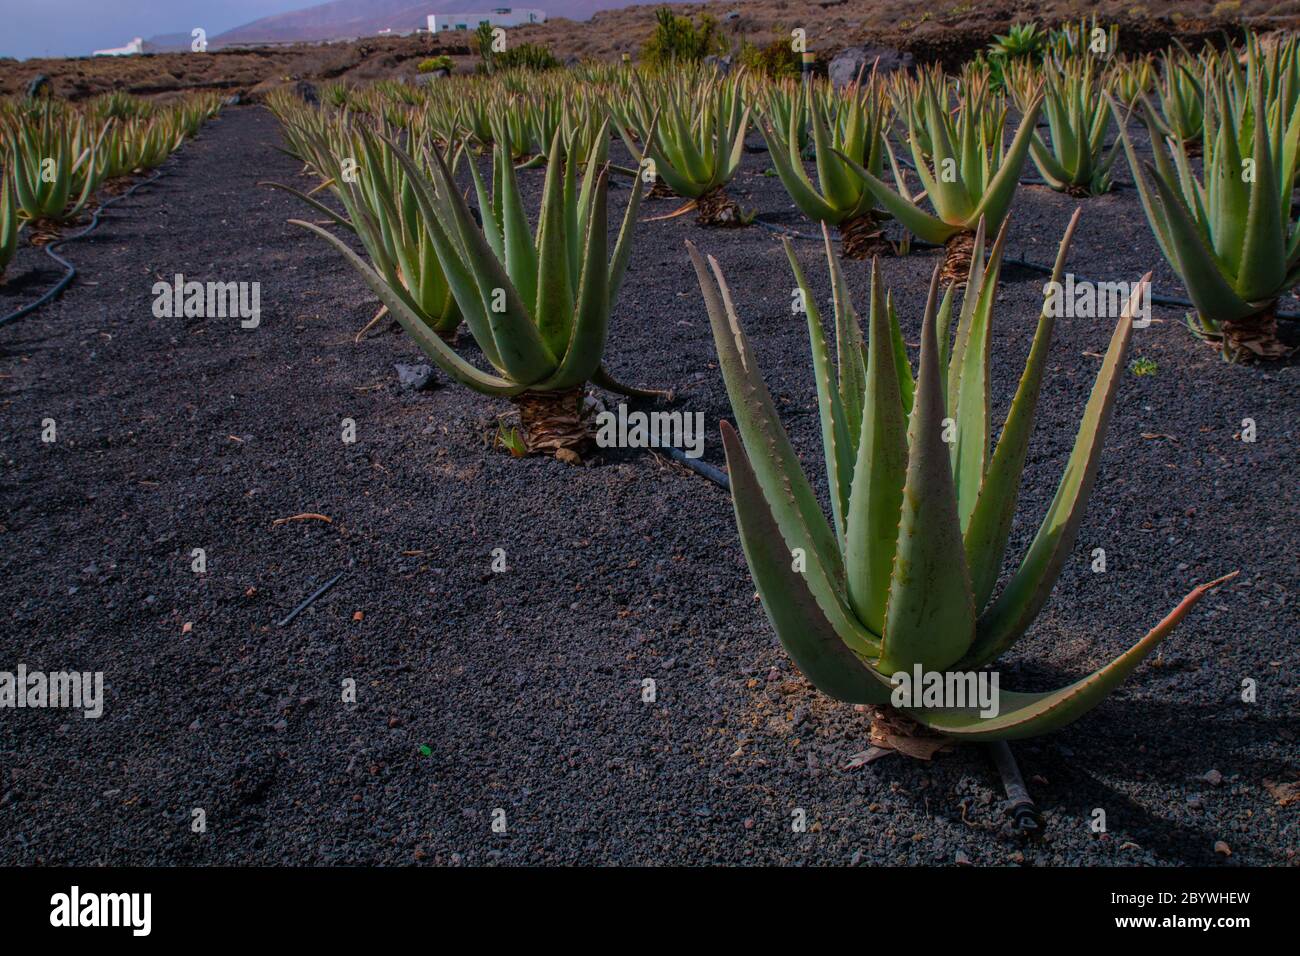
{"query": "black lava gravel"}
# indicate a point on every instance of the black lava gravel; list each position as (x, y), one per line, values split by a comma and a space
(521, 691)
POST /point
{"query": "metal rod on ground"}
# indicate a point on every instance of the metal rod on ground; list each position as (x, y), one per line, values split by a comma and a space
(1024, 815)
(312, 597)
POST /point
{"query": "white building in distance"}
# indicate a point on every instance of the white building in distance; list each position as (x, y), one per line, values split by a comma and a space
(131, 49)
(500, 17)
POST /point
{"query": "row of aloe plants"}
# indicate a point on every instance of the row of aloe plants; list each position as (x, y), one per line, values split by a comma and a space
(55, 155)
(930, 153)
(905, 571)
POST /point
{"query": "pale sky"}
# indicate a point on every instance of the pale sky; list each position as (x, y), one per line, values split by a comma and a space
(78, 27)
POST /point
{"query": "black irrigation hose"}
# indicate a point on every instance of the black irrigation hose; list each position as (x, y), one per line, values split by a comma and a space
(1024, 263)
(71, 270)
(714, 474)
(310, 600)
(1025, 818)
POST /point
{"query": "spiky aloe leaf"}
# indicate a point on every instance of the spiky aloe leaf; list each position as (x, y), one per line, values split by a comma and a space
(837, 442)
(1001, 189)
(315, 204)
(1005, 621)
(590, 326)
(1263, 258)
(438, 350)
(459, 277)
(789, 167)
(989, 528)
(9, 223)
(930, 617)
(520, 255)
(902, 364)
(525, 356)
(623, 245)
(1206, 284)
(969, 400)
(605, 380)
(914, 219)
(849, 347)
(553, 311)
(794, 504)
(796, 615)
(836, 181)
(1150, 203)
(879, 473)
(1029, 715)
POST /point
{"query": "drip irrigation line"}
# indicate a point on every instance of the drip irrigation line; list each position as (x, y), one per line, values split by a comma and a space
(70, 271)
(310, 599)
(714, 474)
(1025, 818)
(1024, 263)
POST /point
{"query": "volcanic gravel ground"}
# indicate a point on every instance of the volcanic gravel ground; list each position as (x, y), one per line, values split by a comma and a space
(522, 690)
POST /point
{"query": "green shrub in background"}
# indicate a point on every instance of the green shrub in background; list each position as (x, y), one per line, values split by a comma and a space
(776, 60)
(523, 56)
(1024, 41)
(680, 40)
(526, 56)
(435, 63)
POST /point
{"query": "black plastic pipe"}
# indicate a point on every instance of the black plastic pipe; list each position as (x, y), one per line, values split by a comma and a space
(70, 271)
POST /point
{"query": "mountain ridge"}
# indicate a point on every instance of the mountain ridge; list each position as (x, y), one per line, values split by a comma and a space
(349, 19)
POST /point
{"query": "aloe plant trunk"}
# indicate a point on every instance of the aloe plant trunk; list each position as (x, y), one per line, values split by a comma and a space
(553, 422)
(958, 251)
(863, 237)
(716, 208)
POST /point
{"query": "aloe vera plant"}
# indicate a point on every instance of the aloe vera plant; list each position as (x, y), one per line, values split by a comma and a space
(1022, 41)
(1229, 236)
(1084, 38)
(785, 107)
(384, 213)
(1077, 162)
(537, 306)
(969, 175)
(56, 167)
(10, 225)
(904, 572)
(696, 145)
(852, 124)
(1182, 100)
(1129, 80)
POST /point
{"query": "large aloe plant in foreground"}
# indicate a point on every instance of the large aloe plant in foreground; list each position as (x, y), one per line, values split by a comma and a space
(903, 574)
(538, 307)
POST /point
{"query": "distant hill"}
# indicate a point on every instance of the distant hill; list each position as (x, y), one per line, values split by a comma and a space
(344, 19)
